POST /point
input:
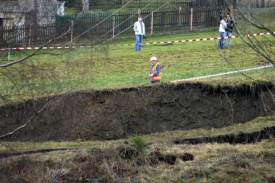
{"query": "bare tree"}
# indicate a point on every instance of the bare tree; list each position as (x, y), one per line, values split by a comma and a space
(254, 24)
(253, 20)
(262, 21)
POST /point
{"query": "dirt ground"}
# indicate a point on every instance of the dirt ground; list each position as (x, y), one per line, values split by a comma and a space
(121, 113)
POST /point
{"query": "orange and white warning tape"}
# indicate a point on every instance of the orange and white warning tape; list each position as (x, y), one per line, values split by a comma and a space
(149, 43)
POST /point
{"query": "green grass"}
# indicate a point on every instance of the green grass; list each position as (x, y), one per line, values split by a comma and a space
(109, 66)
(116, 67)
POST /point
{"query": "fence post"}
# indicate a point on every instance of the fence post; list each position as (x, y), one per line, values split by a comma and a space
(30, 35)
(9, 53)
(152, 22)
(72, 29)
(97, 27)
(179, 16)
(191, 20)
(114, 18)
(139, 12)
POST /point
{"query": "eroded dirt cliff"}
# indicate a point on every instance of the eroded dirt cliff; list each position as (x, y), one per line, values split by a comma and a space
(120, 113)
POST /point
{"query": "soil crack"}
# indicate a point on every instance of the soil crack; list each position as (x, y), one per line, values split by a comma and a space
(237, 138)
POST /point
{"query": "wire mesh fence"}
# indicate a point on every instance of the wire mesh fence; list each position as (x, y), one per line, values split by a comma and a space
(92, 26)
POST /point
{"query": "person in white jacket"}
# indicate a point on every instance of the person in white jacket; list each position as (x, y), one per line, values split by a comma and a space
(222, 27)
(139, 28)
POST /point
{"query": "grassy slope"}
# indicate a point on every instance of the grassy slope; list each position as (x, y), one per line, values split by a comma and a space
(108, 66)
(121, 67)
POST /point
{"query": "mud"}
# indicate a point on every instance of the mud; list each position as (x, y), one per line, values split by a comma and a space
(120, 113)
(239, 138)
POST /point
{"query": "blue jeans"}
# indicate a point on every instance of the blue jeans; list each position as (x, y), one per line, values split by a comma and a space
(138, 42)
(229, 39)
(222, 40)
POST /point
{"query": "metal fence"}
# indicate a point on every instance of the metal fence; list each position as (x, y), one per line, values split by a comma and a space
(114, 4)
(105, 5)
(87, 27)
(30, 35)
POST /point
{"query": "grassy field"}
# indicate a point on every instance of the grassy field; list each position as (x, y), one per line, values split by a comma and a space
(107, 66)
(115, 64)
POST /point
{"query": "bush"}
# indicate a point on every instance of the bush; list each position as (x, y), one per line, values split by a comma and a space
(139, 143)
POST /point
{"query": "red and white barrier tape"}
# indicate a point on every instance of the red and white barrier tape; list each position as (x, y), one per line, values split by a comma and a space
(44, 48)
(150, 43)
(223, 73)
(210, 39)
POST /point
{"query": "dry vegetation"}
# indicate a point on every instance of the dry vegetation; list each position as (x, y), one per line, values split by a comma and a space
(161, 161)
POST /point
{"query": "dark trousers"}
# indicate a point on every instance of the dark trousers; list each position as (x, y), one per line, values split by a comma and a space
(157, 81)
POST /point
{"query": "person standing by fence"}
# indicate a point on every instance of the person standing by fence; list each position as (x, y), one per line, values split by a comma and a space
(229, 29)
(139, 28)
(222, 27)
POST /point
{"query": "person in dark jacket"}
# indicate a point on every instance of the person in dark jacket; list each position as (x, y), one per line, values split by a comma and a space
(229, 29)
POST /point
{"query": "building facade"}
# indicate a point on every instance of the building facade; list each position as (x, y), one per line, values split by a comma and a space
(26, 12)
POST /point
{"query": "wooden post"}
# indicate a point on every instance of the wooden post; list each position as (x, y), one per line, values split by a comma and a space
(191, 20)
(30, 35)
(114, 18)
(152, 22)
(72, 29)
(9, 54)
(97, 27)
(179, 16)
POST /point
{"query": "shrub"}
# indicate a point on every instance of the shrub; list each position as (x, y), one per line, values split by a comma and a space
(139, 143)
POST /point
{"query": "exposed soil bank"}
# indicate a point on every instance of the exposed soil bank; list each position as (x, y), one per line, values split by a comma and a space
(120, 113)
(238, 138)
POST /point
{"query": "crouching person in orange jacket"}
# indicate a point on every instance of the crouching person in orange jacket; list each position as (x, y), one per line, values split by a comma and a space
(155, 71)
